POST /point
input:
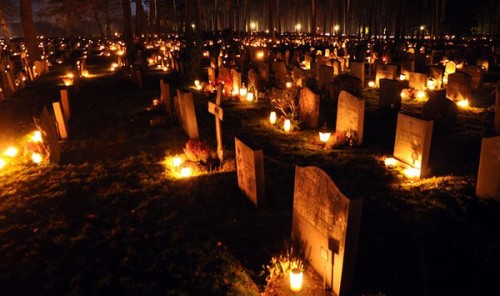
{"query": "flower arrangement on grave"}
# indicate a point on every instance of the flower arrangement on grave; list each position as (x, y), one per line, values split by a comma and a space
(34, 150)
(283, 263)
(343, 139)
(286, 103)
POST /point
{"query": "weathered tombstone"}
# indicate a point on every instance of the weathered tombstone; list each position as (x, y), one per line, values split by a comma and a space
(250, 172)
(309, 107)
(66, 107)
(212, 78)
(224, 73)
(345, 82)
(413, 143)
(50, 133)
(436, 73)
(264, 72)
(236, 78)
(407, 66)
(218, 113)
(418, 81)
(488, 176)
(440, 110)
(476, 73)
(325, 76)
(385, 72)
(280, 73)
(187, 114)
(358, 70)
(326, 223)
(390, 93)
(451, 67)
(62, 124)
(165, 96)
(459, 86)
(351, 116)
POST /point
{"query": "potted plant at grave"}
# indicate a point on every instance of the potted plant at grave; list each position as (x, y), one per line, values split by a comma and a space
(200, 153)
(285, 101)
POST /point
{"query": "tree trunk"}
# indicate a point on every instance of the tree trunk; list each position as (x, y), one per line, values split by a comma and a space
(127, 23)
(26, 13)
(139, 16)
(246, 27)
(5, 27)
(313, 17)
(95, 14)
(271, 20)
(230, 16)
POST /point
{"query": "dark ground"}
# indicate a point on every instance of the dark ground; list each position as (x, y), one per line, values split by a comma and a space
(109, 221)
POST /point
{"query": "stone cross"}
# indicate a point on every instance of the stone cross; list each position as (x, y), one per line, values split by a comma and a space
(216, 110)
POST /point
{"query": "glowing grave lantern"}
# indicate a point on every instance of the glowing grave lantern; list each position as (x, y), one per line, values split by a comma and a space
(11, 152)
(186, 172)
(272, 117)
(36, 158)
(296, 280)
(390, 162)
(371, 84)
(287, 126)
(243, 92)
(250, 97)
(463, 103)
(3, 163)
(431, 84)
(402, 77)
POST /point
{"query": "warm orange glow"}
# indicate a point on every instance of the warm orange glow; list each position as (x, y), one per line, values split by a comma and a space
(272, 117)
(198, 85)
(288, 84)
(11, 152)
(260, 55)
(156, 102)
(36, 158)
(243, 92)
(403, 95)
(390, 162)
(445, 80)
(296, 280)
(287, 126)
(186, 172)
(371, 83)
(236, 91)
(421, 95)
(3, 163)
(431, 84)
(324, 136)
(411, 172)
(250, 97)
(36, 137)
(402, 77)
(120, 53)
(463, 104)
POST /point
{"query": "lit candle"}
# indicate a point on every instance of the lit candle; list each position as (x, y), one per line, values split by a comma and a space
(402, 77)
(287, 126)
(272, 117)
(177, 161)
(411, 172)
(371, 83)
(463, 103)
(296, 280)
(421, 95)
(250, 96)
(36, 158)
(11, 152)
(390, 162)
(288, 84)
(186, 172)
(3, 163)
(431, 84)
(324, 136)
(243, 92)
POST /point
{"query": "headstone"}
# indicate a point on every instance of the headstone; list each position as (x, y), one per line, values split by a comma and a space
(325, 76)
(224, 74)
(451, 67)
(62, 124)
(307, 61)
(212, 78)
(436, 73)
(345, 82)
(440, 110)
(418, 81)
(351, 116)
(50, 133)
(407, 66)
(165, 96)
(264, 72)
(326, 223)
(459, 86)
(488, 176)
(476, 73)
(413, 143)
(280, 73)
(390, 93)
(187, 114)
(385, 72)
(309, 107)
(484, 64)
(250, 172)
(66, 107)
(358, 70)
(337, 67)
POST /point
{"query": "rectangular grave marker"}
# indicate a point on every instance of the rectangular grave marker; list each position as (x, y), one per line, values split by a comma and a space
(413, 143)
(459, 86)
(351, 115)
(65, 103)
(326, 223)
(49, 130)
(358, 70)
(165, 96)
(385, 71)
(187, 114)
(250, 172)
(418, 81)
(488, 176)
(390, 93)
(309, 107)
(62, 124)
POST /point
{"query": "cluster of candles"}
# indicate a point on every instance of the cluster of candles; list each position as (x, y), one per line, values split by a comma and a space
(324, 135)
(12, 152)
(184, 171)
(410, 172)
